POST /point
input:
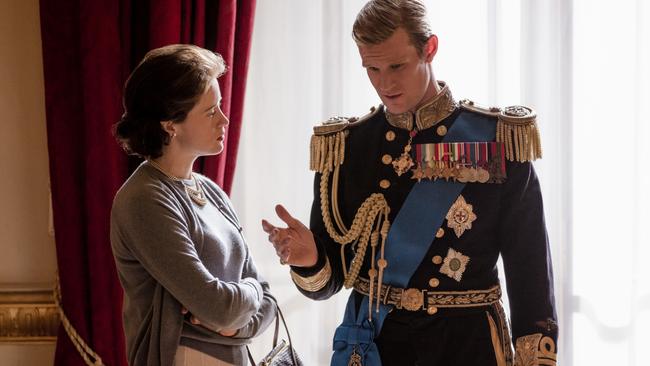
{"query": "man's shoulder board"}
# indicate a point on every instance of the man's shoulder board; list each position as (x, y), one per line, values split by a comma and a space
(327, 147)
(337, 124)
(516, 129)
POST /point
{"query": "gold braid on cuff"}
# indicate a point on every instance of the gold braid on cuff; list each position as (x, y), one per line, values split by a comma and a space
(535, 350)
(316, 282)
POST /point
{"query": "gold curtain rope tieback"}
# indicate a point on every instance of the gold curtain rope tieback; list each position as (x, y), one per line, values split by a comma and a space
(87, 353)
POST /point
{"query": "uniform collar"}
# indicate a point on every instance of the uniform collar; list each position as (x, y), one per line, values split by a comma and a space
(435, 110)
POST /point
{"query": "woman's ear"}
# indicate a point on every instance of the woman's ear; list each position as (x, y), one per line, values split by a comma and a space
(169, 127)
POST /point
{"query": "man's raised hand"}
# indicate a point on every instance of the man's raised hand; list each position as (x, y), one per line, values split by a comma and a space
(294, 244)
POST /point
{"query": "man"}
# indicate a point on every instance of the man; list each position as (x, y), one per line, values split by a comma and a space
(413, 205)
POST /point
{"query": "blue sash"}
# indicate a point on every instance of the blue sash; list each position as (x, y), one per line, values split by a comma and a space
(409, 238)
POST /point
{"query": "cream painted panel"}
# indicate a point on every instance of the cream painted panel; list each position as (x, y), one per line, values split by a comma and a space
(27, 253)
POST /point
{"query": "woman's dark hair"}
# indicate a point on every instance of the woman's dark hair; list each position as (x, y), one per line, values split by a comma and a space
(165, 86)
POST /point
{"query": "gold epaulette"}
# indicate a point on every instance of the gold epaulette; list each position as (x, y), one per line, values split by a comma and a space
(327, 147)
(516, 129)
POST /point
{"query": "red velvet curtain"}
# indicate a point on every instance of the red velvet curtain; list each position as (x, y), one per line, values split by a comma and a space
(89, 48)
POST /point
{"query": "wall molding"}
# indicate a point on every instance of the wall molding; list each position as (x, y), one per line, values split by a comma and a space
(28, 315)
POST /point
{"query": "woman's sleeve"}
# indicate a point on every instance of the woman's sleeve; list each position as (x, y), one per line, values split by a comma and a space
(266, 313)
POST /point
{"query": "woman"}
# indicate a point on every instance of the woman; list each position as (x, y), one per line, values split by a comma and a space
(192, 295)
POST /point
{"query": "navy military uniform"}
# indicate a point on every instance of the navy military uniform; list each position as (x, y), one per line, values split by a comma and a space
(453, 314)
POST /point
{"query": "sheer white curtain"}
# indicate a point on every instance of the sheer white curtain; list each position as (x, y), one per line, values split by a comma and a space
(611, 145)
(583, 65)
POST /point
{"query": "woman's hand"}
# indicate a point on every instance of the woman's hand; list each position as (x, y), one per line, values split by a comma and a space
(295, 244)
(195, 321)
(228, 332)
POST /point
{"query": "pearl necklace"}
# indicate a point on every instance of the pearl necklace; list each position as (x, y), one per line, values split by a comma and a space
(196, 193)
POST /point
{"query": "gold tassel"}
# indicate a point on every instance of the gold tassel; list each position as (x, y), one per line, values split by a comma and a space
(327, 151)
(522, 141)
(517, 130)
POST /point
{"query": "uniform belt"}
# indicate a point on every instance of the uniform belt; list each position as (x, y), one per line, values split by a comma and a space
(414, 299)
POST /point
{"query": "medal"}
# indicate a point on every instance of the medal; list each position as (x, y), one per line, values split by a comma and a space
(404, 163)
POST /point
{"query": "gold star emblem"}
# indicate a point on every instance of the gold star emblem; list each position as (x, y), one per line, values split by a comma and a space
(447, 173)
(429, 172)
(460, 216)
(454, 264)
(417, 173)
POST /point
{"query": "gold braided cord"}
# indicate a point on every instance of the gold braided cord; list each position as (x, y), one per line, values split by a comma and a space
(357, 260)
(361, 220)
(385, 226)
(360, 230)
(82, 347)
(335, 198)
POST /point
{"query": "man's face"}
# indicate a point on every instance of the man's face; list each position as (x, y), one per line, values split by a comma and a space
(401, 77)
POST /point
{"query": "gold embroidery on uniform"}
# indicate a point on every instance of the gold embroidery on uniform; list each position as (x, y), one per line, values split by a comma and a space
(496, 341)
(547, 352)
(535, 350)
(526, 350)
(460, 216)
(443, 299)
(454, 264)
(316, 282)
(504, 331)
(437, 109)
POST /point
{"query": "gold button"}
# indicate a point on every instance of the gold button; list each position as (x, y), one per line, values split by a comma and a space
(434, 282)
(384, 183)
(390, 136)
(440, 233)
(432, 310)
(386, 159)
(437, 259)
(441, 130)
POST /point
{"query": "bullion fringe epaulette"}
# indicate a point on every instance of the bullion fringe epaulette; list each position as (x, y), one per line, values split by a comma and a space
(327, 146)
(516, 129)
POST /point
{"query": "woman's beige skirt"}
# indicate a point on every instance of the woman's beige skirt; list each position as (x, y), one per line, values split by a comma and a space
(186, 356)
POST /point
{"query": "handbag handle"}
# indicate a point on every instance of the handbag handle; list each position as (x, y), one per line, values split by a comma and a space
(278, 316)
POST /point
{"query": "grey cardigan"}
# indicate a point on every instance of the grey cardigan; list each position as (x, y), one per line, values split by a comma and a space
(168, 257)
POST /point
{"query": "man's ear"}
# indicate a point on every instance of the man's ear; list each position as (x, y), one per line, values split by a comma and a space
(169, 127)
(431, 48)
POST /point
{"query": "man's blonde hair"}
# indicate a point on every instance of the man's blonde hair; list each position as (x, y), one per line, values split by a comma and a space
(379, 19)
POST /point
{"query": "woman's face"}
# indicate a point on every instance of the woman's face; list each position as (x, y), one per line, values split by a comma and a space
(204, 129)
